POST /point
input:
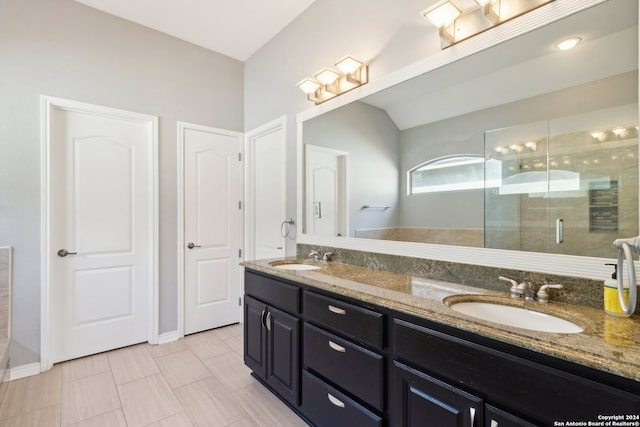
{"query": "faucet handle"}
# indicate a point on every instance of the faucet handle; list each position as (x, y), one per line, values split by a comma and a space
(314, 255)
(515, 292)
(543, 295)
(327, 256)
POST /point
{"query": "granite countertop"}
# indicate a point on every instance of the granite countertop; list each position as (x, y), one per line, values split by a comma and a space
(608, 343)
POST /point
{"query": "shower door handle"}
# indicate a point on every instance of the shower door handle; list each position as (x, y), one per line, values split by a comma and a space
(559, 230)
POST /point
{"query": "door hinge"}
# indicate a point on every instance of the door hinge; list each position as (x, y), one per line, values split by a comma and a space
(239, 253)
(239, 157)
(240, 204)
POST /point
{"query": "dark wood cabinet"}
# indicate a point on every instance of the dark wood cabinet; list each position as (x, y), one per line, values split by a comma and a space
(540, 393)
(424, 401)
(494, 417)
(283, 359)
(326, 406)
(338, 362)
(255, 336)
(272, 337)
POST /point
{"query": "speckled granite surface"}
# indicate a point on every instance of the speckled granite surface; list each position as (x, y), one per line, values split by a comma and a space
(577, 290)
(607, 343)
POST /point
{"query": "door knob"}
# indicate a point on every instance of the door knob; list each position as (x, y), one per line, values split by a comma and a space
(190, 245)
(63, 253)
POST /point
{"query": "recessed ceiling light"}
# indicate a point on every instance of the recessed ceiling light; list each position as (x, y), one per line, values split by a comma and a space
(568, 43)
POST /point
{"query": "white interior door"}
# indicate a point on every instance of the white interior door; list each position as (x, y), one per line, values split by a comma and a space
(325, 191)
(212, 228)
(102, 222)
(266, 191)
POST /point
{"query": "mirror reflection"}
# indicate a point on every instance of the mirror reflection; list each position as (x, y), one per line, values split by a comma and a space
(522, 146)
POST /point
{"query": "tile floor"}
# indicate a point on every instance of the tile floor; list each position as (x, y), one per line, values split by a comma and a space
(199, 380)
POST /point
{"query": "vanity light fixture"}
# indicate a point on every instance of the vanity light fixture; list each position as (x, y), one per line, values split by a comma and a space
(328, 83)
(599, 135)
(620, 132)
(443, 14)
(458, 20)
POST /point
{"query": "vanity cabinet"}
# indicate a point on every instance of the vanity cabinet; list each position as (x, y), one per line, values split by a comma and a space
(343, 377)
(423, 400)
(342, 362)
(533, 393)
(272, 334)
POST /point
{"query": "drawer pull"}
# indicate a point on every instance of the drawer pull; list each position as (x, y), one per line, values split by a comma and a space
(336, 347)
(337, 402)
(472, 412)
(336, 310)
(494, 423)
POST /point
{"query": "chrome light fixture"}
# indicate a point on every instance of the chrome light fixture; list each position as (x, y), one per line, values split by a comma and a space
(458, 20)
(328, 83)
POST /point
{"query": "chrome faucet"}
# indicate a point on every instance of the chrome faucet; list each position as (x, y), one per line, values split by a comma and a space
(527, 290)
(315, 255)
(514, 291)
(327, 256)
(543, 295)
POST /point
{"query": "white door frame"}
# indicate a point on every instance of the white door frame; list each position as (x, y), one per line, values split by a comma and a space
(47, 104)
(182, 126)
(249, 189)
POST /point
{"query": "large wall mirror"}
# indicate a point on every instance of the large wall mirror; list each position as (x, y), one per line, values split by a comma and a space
(519, 147)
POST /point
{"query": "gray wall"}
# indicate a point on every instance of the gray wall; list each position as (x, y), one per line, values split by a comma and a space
(64, 49)
(388, 34)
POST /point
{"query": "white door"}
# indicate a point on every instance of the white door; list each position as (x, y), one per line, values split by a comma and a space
(266, 191)
(102, 222)
(212, 228)
(325, 191)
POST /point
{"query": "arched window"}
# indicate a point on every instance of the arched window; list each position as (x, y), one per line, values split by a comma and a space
(450, 173)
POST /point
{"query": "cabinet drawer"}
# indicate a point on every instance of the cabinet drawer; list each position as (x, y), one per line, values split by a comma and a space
(279, 294)
(361, 324)
(326, 406)
(508, 379)
(353, 368)
(494, 417)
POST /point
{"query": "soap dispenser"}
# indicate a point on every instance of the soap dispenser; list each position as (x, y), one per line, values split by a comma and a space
(611, 301)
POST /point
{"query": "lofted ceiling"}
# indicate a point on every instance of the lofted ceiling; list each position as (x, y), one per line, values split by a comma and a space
(235, 28)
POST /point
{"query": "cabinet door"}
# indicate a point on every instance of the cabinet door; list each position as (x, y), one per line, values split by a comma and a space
(255, 337)
(423, 401)
(283, 359)
(495, 417)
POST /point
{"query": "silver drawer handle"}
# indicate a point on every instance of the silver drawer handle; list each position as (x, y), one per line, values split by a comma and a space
(494, 423)
(337, 310)
(337, 402)
(472, 412)
(336, 347)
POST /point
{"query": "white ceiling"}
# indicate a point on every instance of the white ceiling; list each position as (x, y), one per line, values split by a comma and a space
(236, 28)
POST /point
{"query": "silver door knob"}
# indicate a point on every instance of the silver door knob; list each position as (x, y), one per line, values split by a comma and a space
(190, 245)
(63, 253)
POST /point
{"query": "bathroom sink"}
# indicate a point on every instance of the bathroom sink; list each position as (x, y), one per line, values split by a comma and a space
(283, 265)
(509, 315)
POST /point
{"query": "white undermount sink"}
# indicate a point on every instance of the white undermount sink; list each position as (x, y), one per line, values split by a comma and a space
(294, 266)
(517, 317)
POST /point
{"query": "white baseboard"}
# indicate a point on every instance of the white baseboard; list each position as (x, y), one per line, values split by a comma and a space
(168, 337)
(23, 371)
